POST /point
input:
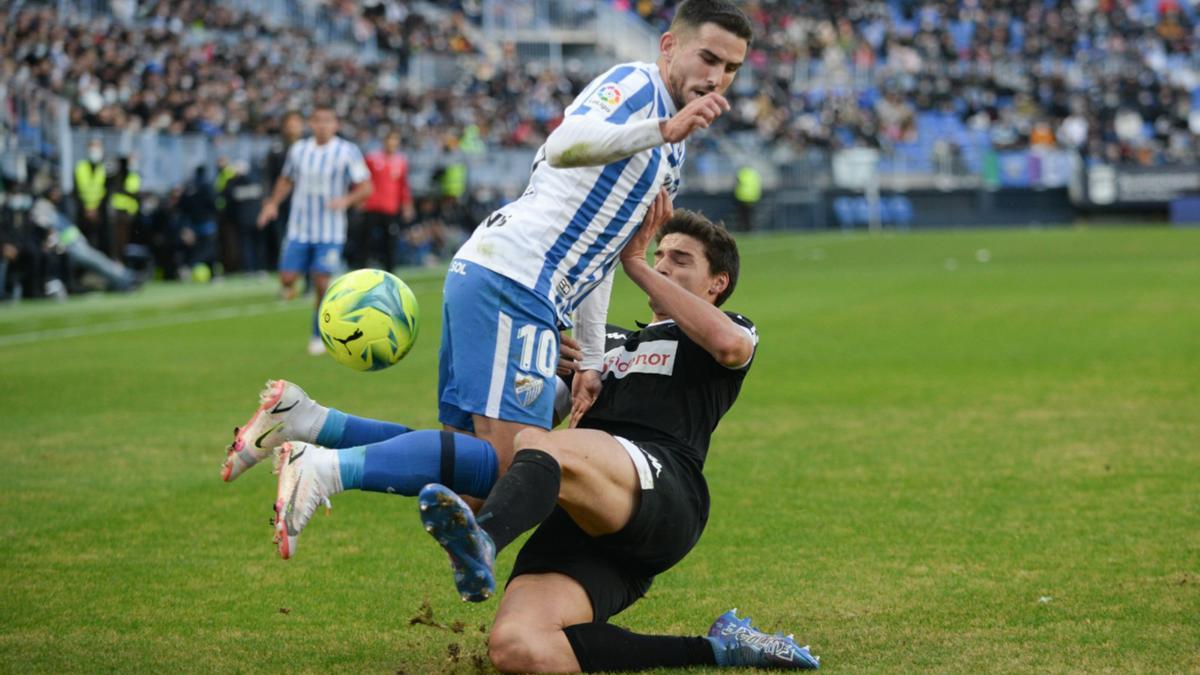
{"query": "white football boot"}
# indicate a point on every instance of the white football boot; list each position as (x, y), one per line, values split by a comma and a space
(284, 413)
(308, 476)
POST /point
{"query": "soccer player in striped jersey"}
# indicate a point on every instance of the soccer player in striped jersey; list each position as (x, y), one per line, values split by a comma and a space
(546, 260)
(541, 262)
(328, 176)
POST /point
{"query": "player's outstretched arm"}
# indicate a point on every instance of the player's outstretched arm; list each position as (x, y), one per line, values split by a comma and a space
(702, 321)
(584, 140)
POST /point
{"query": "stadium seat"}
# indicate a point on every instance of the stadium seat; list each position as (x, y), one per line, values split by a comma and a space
(844, 211)
(861, 211)
(900, 211)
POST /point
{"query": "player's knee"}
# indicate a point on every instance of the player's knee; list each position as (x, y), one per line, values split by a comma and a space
(566, 455)
(514, 648)
(533, 439)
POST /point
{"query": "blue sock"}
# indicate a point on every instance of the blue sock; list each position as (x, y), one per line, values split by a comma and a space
(346, 431)
(350, 463)
(316, 329)
(405, 464)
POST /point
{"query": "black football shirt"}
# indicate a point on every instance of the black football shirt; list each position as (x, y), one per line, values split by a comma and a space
(660, 386)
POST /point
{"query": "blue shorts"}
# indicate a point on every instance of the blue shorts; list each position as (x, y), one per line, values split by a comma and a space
(318, 258)
(499, 350)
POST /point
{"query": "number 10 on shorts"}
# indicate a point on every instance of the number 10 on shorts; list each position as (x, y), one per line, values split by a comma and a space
(546, 346)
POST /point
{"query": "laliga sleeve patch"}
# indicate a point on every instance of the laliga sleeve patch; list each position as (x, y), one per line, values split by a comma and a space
(607, 98)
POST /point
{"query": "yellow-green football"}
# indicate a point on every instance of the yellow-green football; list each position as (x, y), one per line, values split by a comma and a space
(368, 319)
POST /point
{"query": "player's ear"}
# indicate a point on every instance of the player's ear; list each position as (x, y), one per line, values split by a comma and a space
(666, 45)
(718, 284)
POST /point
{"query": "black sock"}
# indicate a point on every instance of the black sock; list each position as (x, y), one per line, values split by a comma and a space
(605, 647)
(522, 498)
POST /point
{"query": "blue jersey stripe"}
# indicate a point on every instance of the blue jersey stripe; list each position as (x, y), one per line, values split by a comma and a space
(322, 221)
(583, 216)
(635, 103)
(624, 213)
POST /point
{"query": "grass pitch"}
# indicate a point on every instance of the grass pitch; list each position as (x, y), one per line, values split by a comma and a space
(956, 452)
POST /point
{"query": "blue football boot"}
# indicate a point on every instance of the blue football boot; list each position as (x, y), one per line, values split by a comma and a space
(738, 644)
(472, 553)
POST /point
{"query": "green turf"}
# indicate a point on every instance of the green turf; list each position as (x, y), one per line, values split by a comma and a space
(936, 464)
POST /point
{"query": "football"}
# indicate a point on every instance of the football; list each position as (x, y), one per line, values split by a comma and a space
(368, 319)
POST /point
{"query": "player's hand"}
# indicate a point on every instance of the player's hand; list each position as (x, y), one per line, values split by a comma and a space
(659, 212)
(585, 389)
(696, 115)
(569, 355)
(338, 203)
(409, 213)
(268, 213)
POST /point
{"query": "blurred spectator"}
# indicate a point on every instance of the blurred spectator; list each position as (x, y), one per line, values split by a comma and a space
(91, 188)
(243, 195)
(66, 239)
(124, 199)
(389, 210)
(197, 213)
(228, 237)
(291, 129)
(24, 263)
(747, 192)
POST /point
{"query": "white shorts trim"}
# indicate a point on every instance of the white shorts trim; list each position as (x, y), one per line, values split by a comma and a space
(499, 365)
(645, 474)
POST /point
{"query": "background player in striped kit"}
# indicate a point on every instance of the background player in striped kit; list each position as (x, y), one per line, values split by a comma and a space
(328, 176)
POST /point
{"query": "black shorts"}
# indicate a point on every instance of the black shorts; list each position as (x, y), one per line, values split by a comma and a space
(617, 569)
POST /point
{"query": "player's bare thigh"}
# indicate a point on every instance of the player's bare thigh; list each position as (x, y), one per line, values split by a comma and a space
(600, 488)
(527, 635)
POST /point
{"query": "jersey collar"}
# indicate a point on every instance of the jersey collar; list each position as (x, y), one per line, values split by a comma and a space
(656, 76)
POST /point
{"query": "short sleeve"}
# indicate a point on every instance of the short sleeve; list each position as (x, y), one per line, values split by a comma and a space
(289, 164)
(748, 326)
(356, 165)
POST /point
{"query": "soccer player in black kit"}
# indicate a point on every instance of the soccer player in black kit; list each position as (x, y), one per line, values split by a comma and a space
(619, 497)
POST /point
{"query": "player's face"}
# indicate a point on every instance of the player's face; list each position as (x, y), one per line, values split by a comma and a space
(701, 60)
(681, 259)
(391, 143)
(293, 127)
(324, 125)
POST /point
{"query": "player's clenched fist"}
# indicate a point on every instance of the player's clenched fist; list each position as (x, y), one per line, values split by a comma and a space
(696, 115)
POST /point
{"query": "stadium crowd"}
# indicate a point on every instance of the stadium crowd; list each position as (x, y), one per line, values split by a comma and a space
(1115, 80)
(178, 66)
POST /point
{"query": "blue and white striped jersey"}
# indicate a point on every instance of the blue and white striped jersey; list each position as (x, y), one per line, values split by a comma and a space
(321, 173)
(565, 233)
